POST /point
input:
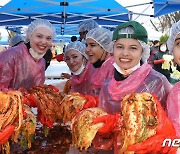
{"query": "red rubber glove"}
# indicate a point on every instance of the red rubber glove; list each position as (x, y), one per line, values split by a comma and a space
(6, 134)
(111, 122)
(153, 144)
(91, 101)
(164, 130)
(160, 61)
(59, 57)
(45, 120)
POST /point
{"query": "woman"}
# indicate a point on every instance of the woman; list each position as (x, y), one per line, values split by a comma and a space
(98, 49)
(84, 27)
(158, 56)
(23, 65)
(76, 60)
(173, 101)
(131, 73)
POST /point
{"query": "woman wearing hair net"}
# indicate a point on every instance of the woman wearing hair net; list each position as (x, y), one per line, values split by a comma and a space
(132, 74)
(172, 44)
(16, 40)
(173, 101)
(85, 26)
(76, 60)
(23, 65)
(98, 49)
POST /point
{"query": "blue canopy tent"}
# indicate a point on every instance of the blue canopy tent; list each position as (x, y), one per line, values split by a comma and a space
(162, 7)
(63, 14)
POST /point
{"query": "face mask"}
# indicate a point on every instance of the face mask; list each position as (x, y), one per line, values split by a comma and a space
(35, 55)
(163, 48)
(128, 71)
(79, 71)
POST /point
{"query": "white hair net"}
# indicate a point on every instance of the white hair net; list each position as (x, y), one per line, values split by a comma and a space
(175, 30)
(39, 23)
(15, 40)
(146, 48)
(146, 51)
(78, 46)
(87, 25)
(103, 37)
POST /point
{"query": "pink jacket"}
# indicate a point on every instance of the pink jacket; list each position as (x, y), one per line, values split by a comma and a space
(99, 75)
(144, 79)
(18, 69)
(80, 83)
(173, 107)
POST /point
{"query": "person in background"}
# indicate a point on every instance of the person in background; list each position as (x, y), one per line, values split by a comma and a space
(150, 43)
(53, 50)
(84, 27)
(60, 57)
(23, 66)
(155, 46)
(153, 49)
(157, 64)
(16, 40)
(173, 101)
(76, 60)
(98, 49)
(73, 38)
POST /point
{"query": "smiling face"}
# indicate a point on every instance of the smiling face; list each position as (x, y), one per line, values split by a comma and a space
(94, 51)
(74, 60)
(127, 52)
(176, 50)
(41, 40)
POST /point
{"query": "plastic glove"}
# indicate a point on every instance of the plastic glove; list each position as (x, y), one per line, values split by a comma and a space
(59, 57)
(164, 130)
(45, 120)
(159, 61)
(6, 133)
(92, 101)
(111, 122)
(153, 144)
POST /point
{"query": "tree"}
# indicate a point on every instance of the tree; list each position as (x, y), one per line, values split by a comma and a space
(164, 23)
(164, 38)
